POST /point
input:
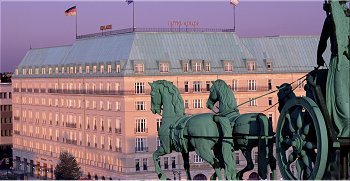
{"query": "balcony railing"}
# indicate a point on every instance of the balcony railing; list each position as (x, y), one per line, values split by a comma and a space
(118, 130)
(141, 149)
(73, 142)
(139, 130)
(71, 125)
(118, 149)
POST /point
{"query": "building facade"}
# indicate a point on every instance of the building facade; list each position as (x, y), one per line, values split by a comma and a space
(6, 123)
(92, 98)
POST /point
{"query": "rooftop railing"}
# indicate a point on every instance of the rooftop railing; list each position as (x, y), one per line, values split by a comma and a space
(130, 30)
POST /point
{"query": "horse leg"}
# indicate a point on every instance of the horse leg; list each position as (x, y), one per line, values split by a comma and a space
(159, 152)
(205, 152)
(186, 158)
(250, 165)
(272, 159)
(218, 155)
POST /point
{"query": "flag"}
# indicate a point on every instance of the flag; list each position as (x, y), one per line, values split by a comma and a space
(234, 2)
(71, 11)
(129, 1)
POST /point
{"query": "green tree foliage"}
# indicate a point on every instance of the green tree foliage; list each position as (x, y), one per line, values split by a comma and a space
(67, 168)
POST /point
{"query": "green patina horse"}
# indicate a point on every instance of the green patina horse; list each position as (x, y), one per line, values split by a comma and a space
(249, 130)
(193, 133)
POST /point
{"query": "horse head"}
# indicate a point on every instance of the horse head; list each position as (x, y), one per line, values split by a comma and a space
(221, 92)
(156, 98)
(284, 94)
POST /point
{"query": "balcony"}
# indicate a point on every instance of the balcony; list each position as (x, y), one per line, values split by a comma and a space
(141, 149)
(71, 125)
(118, 149)
(72, 142)
(118, 130)
(139, 130)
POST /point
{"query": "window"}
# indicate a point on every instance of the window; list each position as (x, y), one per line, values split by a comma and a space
(139, 68)
(166, 163)
(164, 67)
(140, 105)
(102, 69)
(197, 103)
(139, 88)
(87, 70)
(137, 165)
(234, 85)
(50, 70)
(140, 145)
(300, 83)
(56, 70)
(117, 68)
(197, 66)
(144, 163)
(252, 102)
(197, 86)
(186, 104)
(159, 123)
(270, 101)
(269, 65)
(140, 126)
(228, 67)
(117, 106)
(94, 69)
(256, 157)
(269, 84)
(80, 69)
(186, 86)
(159, 143)
(109, 68)
(251, 85)
(237, 158)
(270, 116)
(197, 159)
(173, 162)
(251, 66)
(207, 85)
(207, 66)
(185, 67)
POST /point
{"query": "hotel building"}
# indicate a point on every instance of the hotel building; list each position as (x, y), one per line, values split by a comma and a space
(92, 98)
(6, 121)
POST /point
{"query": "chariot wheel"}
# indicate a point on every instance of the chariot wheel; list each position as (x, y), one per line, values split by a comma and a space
(301, 140)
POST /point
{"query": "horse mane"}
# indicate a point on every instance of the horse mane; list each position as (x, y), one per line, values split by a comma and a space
(227, 98)
(177, 102)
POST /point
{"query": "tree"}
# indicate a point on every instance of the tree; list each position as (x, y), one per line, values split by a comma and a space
(67, 168)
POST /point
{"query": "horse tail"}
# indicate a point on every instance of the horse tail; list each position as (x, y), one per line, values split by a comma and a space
(263, 148)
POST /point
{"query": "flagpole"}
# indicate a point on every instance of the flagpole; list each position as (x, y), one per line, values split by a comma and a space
(234, 18)
(76, 24)
(133, 16)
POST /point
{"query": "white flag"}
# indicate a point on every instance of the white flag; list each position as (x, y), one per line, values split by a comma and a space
(234, 2)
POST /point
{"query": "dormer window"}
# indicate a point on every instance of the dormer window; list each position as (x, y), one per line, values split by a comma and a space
(251, 65)
(164, 67)
(197, 67)
(269, 65)
(139, 68)
(30, 71)
(228, 67)
(62, 70)
(207, 66)
(24, 71)
(185, 67)
(80, 69)
(56, 70)
(102, 69)
(87, 69)
(94, 69)
(43, 71)
(117, 68)
(71, 70)
(50, 70)
(16, 71)
(109, 69)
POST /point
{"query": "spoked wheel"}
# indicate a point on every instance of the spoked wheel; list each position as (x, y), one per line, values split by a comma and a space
(301, 140)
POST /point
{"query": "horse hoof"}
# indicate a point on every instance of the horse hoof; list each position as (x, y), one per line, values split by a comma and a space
(161, 176)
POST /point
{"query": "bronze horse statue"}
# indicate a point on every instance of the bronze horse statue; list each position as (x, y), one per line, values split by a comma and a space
(183, 133)
(249, 130)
